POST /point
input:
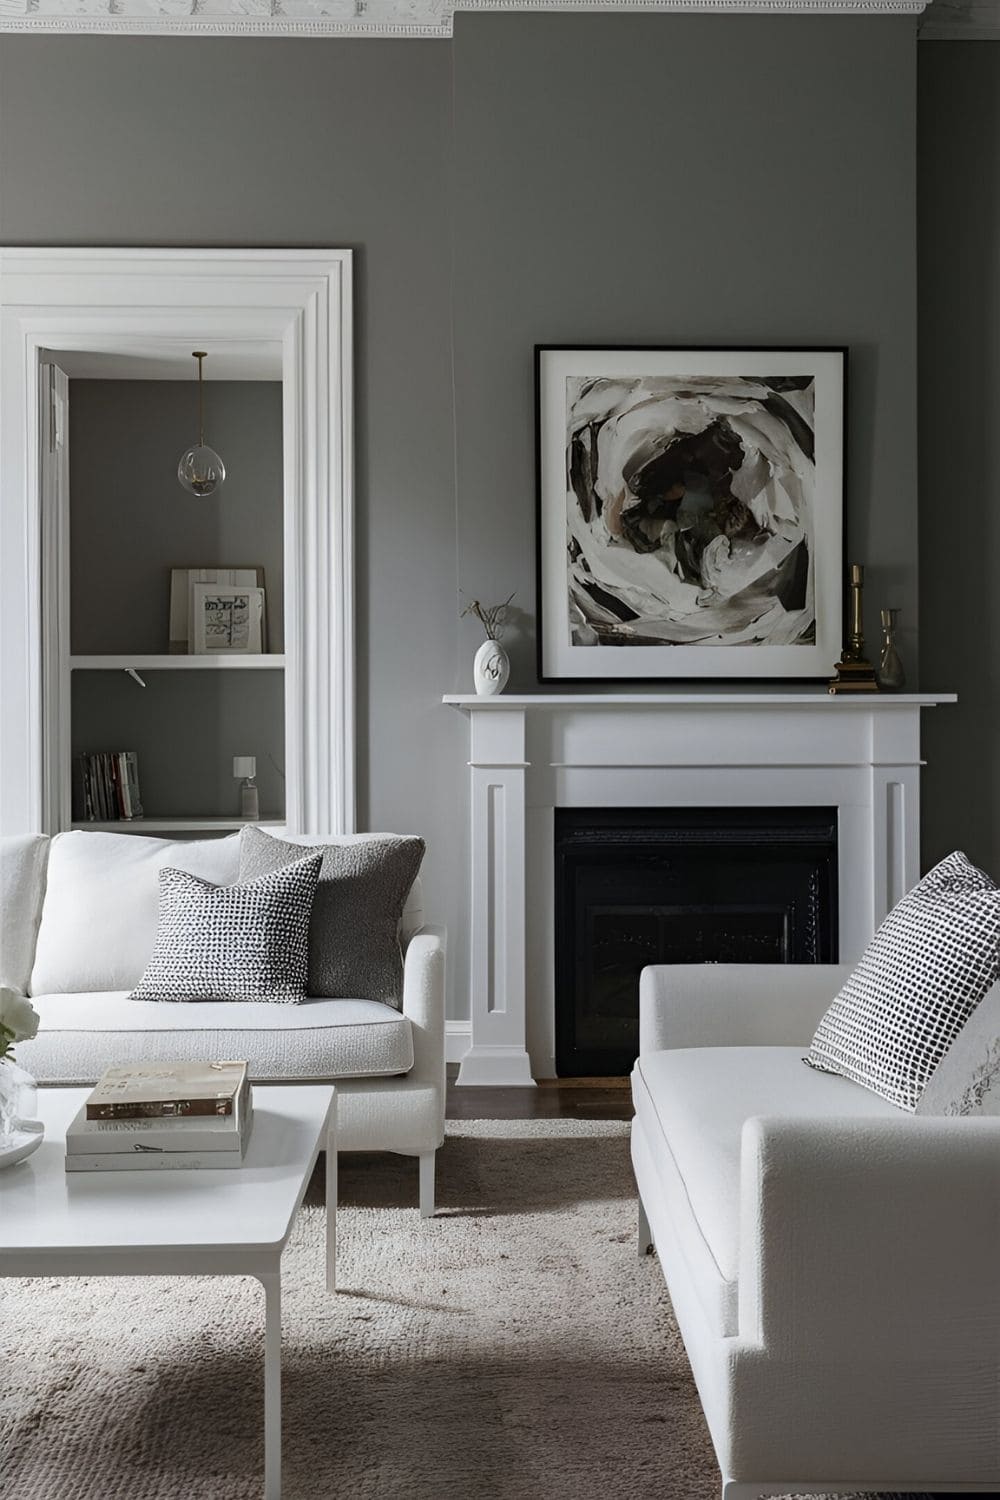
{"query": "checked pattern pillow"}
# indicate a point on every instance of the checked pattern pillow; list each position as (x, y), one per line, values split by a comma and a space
(921, 977)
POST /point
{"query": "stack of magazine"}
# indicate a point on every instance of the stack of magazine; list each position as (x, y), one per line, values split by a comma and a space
(159, 1115)
(106, 787)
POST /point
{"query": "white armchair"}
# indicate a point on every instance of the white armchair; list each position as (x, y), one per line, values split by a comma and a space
(833, 1262)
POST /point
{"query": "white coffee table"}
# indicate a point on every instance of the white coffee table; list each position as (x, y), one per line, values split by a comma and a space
(232, 1222)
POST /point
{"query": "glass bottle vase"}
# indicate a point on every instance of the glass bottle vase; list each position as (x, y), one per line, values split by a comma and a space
(891, 677)
(18, 1098)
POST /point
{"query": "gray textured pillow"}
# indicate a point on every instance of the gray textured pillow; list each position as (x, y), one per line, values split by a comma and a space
(354, 951)
(232, 942)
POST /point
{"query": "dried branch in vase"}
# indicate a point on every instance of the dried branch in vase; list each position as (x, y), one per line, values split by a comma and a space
(492, 617)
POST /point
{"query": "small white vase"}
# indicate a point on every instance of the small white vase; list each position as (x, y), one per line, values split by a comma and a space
(490, 669)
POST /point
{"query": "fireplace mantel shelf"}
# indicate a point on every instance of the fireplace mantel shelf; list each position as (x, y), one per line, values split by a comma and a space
(704, 698)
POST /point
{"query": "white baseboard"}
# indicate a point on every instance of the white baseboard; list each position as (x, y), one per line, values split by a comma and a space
(457, 1040)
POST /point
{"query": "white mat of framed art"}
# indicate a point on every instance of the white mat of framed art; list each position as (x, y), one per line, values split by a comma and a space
(690, 513)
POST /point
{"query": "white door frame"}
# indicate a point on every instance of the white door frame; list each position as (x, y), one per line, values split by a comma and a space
(115, 301)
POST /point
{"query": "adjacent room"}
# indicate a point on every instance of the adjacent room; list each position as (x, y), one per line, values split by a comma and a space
(499, 837)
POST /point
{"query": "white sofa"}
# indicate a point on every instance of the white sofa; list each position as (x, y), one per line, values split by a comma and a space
(834, 1263)
(77, 924)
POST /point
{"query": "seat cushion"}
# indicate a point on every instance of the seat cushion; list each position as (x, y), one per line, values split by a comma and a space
(693, 1102)
(81, 1035)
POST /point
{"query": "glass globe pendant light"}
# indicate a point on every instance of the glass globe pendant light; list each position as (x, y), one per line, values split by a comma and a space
(201, 470)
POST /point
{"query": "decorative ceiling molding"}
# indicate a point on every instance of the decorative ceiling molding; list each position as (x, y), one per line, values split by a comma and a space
(961, 21)
(371, 18)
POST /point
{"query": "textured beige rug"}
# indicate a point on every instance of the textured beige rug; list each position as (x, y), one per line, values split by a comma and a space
(513, 1347)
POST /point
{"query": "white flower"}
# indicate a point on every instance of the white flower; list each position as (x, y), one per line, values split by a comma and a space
(17, 1016)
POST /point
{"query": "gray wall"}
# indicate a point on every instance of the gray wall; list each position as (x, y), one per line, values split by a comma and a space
(185, 728)
(539, 178)
(683, 179)
(131, 519)
(210, 142)
(131, 522)
(959, 257)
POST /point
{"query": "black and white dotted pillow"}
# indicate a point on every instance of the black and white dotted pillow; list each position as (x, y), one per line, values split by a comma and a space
(232, 942)
(921, 977)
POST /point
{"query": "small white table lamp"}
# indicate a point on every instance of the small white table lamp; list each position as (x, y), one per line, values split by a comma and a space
(245, 769)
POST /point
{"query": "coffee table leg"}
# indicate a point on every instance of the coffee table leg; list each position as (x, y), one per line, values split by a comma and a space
(331, 1197)
(272, 1385)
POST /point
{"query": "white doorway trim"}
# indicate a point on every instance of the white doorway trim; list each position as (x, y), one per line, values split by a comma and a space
(114, 301)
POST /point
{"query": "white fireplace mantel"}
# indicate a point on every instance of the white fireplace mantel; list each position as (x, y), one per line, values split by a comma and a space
(716, 747)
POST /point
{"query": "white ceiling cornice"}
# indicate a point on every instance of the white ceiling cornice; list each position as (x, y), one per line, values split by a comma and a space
(368, 18)
(961, 21)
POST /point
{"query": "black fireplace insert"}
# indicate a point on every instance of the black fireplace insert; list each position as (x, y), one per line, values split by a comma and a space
(694, 885)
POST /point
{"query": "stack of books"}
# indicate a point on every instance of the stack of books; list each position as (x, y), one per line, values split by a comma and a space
(106, 787)
(163, 1115)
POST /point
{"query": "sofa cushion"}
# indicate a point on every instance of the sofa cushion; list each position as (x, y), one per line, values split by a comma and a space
(916, 984)
(693, 1102)
(247, 941)
(413, 912)
(354, 946)
(80, 1035)
(22, 884)
(967, 1079)
(101, 899)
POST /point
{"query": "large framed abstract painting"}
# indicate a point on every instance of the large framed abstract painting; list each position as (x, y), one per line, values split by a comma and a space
(690, 512)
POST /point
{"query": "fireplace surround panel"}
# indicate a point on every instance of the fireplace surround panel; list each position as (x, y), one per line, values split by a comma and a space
(533, 757)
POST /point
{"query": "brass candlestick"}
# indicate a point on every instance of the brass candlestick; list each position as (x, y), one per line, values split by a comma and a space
(854, 673)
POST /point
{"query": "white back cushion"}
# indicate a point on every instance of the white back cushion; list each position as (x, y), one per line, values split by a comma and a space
(101, 899)
(413, 912)
(22, 884)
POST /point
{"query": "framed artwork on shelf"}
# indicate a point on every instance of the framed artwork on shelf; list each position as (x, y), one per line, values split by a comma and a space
(182, 581)
(226, 620)
(690, 513)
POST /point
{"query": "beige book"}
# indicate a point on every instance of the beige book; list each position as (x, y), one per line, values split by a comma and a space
(167, 1089)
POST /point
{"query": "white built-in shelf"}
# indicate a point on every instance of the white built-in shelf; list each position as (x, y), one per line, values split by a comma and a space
(176, 825)
(268, 661)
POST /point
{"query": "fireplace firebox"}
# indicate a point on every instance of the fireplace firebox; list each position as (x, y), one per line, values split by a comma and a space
(692, 885)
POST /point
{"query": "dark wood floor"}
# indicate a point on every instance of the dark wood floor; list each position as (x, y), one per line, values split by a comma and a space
(552, 1099)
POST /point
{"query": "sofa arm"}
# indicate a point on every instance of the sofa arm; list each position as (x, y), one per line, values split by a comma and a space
(734, 1005)
(424, 1003)
(875, 1237)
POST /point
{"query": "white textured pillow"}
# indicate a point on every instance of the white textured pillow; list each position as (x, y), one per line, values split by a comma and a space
(22, 882)
(99, 913)
(967, 1079)
(918, 982)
